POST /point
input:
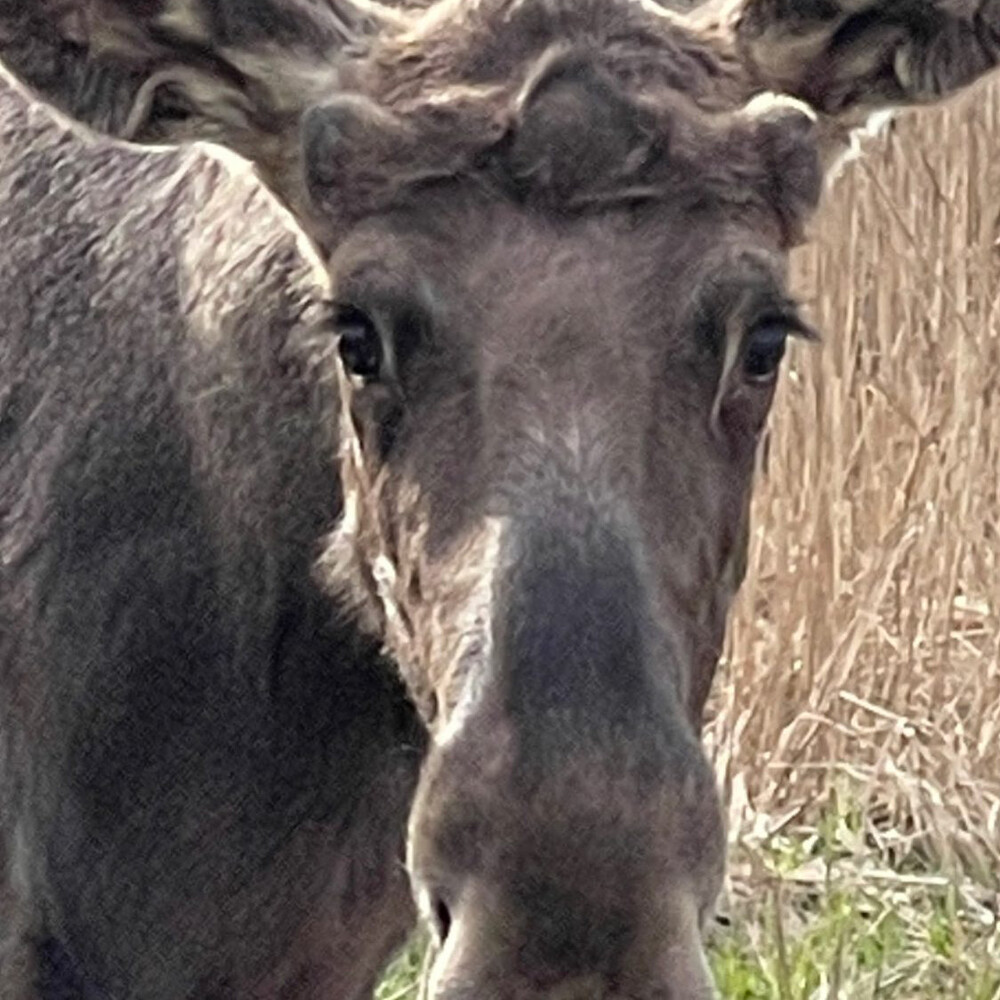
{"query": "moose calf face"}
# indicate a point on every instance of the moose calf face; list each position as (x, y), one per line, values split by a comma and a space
(556, 366)
(560, 236)
(557, 233)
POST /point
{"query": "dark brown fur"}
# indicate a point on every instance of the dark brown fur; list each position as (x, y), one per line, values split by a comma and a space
(560, 228)
(192, 739)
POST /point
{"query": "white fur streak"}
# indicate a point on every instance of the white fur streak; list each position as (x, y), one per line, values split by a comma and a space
(771, 104)
(476, 625)
(876, 124)
(386, 578)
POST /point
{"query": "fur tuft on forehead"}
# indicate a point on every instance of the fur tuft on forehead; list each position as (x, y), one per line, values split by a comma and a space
(566, 106)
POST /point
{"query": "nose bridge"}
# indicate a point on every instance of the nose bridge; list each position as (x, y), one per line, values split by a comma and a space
(574, 636)
(598, 746)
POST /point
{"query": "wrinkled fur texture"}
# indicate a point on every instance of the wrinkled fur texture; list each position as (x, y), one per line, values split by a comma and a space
(206, 759)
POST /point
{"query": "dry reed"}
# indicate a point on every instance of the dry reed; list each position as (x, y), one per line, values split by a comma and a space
(866, 643)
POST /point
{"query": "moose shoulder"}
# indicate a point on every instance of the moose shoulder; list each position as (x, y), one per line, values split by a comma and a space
(555, 235)
(186, 723)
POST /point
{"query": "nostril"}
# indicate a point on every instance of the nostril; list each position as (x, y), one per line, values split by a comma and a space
(441, 916)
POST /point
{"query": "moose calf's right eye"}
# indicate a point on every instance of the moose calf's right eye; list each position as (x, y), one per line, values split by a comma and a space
(358, 343)
(764, 350)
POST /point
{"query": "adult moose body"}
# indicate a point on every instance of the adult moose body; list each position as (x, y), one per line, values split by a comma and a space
(556, 233)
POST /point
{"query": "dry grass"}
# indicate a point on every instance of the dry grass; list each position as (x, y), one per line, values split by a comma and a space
(866, 642)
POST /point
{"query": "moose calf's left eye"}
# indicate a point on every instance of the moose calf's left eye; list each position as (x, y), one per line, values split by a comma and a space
(765, 347)
(359, 343)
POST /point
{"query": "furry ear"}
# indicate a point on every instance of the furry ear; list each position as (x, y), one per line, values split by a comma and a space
(787, 135)
(340, 136)
(857, 56)
(236, 72)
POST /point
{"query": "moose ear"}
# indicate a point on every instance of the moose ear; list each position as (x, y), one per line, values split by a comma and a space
(787, 136)
(857, 56)
(350, 142)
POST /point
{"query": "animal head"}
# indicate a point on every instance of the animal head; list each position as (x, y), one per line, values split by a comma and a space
(557, 233)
